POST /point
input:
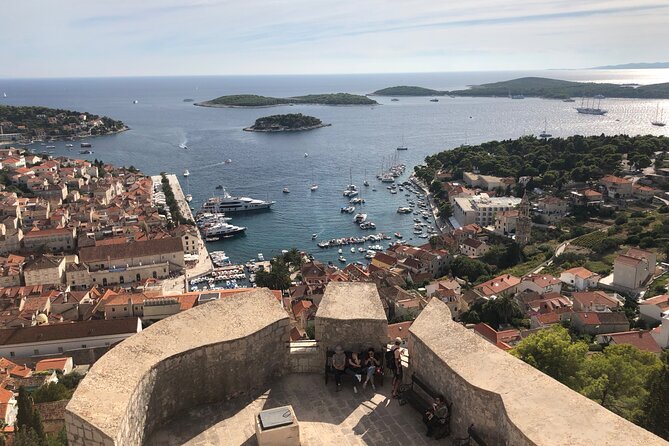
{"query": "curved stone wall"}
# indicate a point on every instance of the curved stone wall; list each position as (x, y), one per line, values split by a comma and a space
(211, 353)
(509, 402)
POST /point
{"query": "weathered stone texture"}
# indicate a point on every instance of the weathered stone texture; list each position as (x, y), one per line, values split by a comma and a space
(214, 352)
(508, 401)
(351, 315)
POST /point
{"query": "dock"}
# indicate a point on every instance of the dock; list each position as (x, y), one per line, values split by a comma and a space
(203, 265)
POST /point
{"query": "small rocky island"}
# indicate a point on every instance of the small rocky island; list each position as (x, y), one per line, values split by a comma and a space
(29, 123)
(252, 100)
(292, 122)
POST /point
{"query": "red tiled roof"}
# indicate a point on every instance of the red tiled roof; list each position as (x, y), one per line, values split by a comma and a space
(642, 340)
(498, 284)
(399, 330)
(541, 280)
(661, 301)
(301, 306)
(580, 272)
(51, 364)
(596, 298)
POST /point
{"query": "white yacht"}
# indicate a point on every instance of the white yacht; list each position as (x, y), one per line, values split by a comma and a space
(228, 203)
(314, 187)
(360, 218)
(222, 230)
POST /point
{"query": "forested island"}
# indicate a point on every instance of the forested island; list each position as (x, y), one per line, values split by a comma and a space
(408, 90)
(551, 163)
(292, 122)
(541, 87)
(28, 123)
(251, 100)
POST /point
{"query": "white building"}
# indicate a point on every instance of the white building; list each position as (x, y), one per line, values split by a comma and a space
(481, 209)
(580, 278)
(651, 309)
(42, 340)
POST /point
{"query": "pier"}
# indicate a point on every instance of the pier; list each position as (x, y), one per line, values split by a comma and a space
(203, 264)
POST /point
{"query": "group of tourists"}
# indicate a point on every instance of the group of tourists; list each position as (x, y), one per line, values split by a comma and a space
(359, 368)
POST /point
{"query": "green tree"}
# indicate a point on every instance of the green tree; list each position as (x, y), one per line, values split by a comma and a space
(617, 379)
(277, 278)
(51, 392)
(470, 269)
(553, 352)
(24, 417)
(655, 413)
(293, 258)
(27, 437)
(71, 380)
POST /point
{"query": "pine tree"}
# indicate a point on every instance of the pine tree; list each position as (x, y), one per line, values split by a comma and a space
(656, 406)
(24, 418)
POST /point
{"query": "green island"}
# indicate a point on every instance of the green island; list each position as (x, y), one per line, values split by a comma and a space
(408, 90)
(28, 123)
(252, 100)
(541, 87)
(292, 122)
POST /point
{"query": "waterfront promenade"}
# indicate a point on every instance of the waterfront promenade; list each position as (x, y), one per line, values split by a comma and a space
(203, 264)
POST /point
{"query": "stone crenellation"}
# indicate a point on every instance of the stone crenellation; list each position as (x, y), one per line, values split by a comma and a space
(140, 384)
(509, 402)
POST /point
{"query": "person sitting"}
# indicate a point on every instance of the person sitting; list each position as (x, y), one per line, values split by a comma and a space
(354, 369)
(339, 365)
(435, 417)
(369, 367)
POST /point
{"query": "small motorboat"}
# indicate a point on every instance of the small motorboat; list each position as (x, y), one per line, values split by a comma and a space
(219, 187)
(342, 259)
(398, 235)
(186, 173)
(228, 161)
(306, 154)
(314, 187)
(189, 198)
(286, 190)
(313, 236)
(352, 249)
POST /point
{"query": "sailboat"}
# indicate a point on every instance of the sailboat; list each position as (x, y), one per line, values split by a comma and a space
(365, 183)
(545, 134)
(403, 146)
(314, 185)
(658, 117)
(590, 109)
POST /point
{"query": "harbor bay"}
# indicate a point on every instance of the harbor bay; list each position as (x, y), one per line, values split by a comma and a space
(360, 141)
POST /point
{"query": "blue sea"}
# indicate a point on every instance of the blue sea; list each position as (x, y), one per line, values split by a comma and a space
(357, 143)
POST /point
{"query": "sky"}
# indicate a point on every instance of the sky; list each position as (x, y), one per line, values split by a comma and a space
(81, 38)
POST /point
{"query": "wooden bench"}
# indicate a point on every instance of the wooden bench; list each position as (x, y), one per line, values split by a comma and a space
(421, 397)
(378, 354)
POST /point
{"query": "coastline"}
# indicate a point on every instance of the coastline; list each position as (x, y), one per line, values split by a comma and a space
(299, 129)
(73, 138)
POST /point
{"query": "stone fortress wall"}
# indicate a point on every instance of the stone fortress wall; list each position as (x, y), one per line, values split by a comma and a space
(237, 345)
(508, 401)
(205, 355)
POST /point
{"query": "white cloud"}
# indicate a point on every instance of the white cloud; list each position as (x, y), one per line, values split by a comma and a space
(127, 37)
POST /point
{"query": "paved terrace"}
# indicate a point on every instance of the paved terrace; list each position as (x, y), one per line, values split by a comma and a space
(325, 417)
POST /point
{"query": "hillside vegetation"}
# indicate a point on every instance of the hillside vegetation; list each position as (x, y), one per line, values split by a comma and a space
(287, 122)
(551, 162)
(251, 100)
(405, 90)
(559, 89)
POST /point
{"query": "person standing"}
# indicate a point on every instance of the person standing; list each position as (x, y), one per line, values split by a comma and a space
(396, 367)
(339, 365)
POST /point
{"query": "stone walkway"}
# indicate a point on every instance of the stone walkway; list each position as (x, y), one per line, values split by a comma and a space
(325, 417)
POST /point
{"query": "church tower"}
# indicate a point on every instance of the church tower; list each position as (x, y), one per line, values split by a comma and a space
(524, 224)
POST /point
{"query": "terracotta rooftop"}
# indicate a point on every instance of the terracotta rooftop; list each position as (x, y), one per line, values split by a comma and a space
(580, 272)
(642, 340)
(497, 285)
(44, 333)
(136, 249)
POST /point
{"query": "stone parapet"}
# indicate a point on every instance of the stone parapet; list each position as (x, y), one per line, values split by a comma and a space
(351, 315)
(509, 402)
(208, 354)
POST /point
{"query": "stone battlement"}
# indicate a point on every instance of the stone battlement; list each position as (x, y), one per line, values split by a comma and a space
(236, 347)
(509, 401)
(189, 359)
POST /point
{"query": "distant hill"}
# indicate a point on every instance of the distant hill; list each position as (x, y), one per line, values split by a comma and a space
(633, 66)
(559, 89)
(405, 90)
(251, 100)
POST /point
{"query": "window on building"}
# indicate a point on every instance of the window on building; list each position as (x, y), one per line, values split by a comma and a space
(60, 349)
(125, 308)
(83, 346)
(104, 281)
(11, 354)
(113, 309)
(121, 279)
(155, 275)
(138, 277)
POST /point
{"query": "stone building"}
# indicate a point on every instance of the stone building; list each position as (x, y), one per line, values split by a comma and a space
(44, 270)
(524, 222)
(56, 240)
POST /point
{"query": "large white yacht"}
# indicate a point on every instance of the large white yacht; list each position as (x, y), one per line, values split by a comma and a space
(222, 230)
(227, 203)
